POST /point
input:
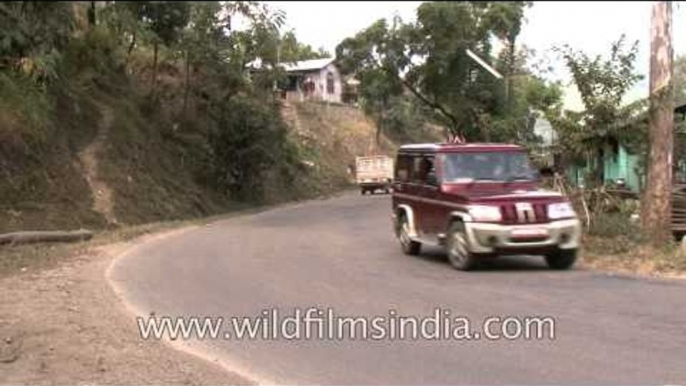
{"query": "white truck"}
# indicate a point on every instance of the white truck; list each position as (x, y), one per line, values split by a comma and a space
(374, 172)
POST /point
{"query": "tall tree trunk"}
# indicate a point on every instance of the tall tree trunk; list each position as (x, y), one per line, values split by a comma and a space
(380, 125)
(188, 83)
(153, 86)
(656, 203)
(130, 50)
(91, 15)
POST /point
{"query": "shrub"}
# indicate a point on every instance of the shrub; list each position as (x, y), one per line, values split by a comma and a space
(94, 54)
(24, 110)
(250, 138)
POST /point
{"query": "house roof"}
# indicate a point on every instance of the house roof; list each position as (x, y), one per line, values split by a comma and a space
(308, 65)
(301, 66)
(458, 147)
(257, 64)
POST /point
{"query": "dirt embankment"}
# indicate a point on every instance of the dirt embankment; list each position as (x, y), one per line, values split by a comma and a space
(66, 326)
(89, 157)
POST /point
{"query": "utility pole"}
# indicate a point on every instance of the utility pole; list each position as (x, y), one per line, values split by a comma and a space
(656, 202)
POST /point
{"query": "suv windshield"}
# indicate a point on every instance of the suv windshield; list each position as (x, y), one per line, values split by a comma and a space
(490, 166)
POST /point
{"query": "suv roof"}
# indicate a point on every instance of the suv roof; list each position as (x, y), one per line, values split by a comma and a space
(458, 147)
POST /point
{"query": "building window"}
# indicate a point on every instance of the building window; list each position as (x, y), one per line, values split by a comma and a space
(329, 83)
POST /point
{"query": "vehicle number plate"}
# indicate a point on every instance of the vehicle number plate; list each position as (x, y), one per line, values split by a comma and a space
(535, 232)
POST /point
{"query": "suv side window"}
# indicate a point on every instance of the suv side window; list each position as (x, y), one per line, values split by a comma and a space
(416, 175)
(422, 166)
(403, 168)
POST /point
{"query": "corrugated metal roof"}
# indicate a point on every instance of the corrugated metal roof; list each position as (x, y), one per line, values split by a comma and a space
(308, 65)
(476, 146)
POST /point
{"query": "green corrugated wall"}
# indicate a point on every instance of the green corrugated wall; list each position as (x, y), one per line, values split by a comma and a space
(619, 165)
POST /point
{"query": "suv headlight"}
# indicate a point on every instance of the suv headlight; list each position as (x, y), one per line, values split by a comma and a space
(560, 210)
(485, 213)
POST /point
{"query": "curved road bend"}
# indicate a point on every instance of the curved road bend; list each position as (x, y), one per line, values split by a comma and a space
(340, 253)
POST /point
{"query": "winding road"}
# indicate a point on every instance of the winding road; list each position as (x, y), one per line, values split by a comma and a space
(341, 253)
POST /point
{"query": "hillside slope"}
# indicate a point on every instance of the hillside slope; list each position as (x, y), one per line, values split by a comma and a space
(330, 136)
(108, 158)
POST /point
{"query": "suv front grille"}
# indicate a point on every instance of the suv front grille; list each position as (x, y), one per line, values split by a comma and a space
(510, 215)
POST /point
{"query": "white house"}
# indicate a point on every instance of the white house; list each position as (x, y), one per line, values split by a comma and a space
(317, 79)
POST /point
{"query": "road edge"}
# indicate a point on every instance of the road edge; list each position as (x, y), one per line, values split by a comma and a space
(120, 253)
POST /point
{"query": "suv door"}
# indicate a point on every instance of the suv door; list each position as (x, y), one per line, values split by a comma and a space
(408, 187)
(402, 180)
(431, 208)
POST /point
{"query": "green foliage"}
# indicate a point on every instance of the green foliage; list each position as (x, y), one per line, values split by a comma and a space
(680, 80)
(91, 56)
(24, 110)
(603, 84)
(165, 19)
(250, 139)
(405, 120)
(291, 50)
(33, 35)
(429, 59)
(260, 39)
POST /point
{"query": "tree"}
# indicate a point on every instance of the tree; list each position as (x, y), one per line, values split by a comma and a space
(656, 203)
(429, 59)
(530, 97)
(210, 47)
(377, 89)
(125, 22)
(260, 40)
(165, 19)
(202, 40)
(34, 35)
(507, 19)
(92, 20)
(291, 50)
(603, 84)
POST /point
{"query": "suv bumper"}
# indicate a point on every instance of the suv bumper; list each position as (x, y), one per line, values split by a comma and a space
(488, 238)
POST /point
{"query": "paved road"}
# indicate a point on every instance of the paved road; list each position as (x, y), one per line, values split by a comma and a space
(340, 253)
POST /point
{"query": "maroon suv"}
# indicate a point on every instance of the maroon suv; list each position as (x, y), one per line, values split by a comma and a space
(479, 200)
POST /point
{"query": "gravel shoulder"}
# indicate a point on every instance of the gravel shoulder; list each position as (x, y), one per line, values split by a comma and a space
(65, 325)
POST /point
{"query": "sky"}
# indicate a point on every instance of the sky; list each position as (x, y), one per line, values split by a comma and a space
(589, 26)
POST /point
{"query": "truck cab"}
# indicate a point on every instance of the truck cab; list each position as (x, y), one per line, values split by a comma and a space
(479, 200)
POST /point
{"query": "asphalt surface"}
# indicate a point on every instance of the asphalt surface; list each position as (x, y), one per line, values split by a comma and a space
(341, 253)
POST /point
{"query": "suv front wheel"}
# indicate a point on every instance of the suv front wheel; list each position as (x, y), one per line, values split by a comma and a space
(457, 248)
(561, 259)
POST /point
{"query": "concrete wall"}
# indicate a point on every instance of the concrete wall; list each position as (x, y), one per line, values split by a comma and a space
(320, 92)
(337, 84)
